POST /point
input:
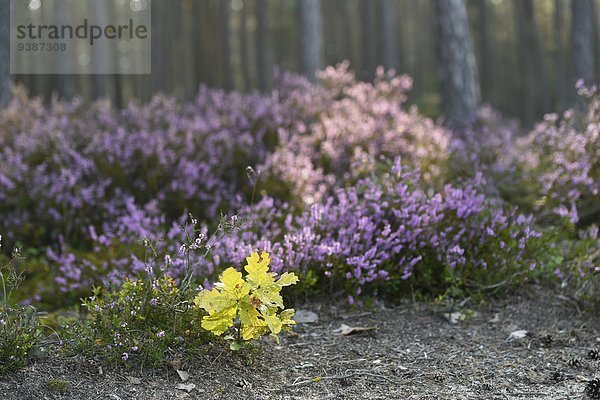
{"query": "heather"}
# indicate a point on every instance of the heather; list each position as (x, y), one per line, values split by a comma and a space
(561, 158)
(341, 182)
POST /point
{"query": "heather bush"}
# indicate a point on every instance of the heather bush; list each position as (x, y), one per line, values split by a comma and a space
(151, 318)
(581, 268)
(19, 335)
(386, 229)
(140, 322)
(307, 170)
(20, 328)
(137, 244)
(67, 167)
(356, 123)
(560, 162)
(487, 148)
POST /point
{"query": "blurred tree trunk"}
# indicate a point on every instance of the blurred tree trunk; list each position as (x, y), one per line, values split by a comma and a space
(261, 44)
(159, 42)
(460, 85)
(596, 40)
(202, 48)
(226, 32)
(245, 50)
(351, 51)
(4, 52)
(526, 81)
(100, 81)
(189, 87)
(368, 42)
(390, 41)
(485, 50)
(559, 58)
(583, 39)
(537, 55)
(311, 37)
(65, 83)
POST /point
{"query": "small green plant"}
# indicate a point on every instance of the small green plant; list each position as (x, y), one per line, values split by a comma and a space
(140, 322)
(57, 385)
(246, 309)
(19, 326)
(582, 265)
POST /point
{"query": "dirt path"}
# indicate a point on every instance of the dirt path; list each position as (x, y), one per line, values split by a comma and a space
(414, 353)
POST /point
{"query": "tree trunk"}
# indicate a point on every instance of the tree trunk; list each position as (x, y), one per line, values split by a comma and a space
(526, 79)
(226, 33)
(559, 58)
(261, 45)
(583, 39)
(100, 82)
(368, 42)
(389, 34)
(189, 87)
(485, 50)
(159, 47)
(460, 85)
(311, 36)
(245, 46)
(4, 52)
(65, 83)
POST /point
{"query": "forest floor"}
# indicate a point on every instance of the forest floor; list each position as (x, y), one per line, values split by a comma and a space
(411, 351)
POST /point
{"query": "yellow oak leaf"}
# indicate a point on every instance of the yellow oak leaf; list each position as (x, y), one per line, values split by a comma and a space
(274, 323)
(269, 296)
(214, 300)
(257, 268)
(249, 315)
(286, 319)
(253, 332)
(233, 284)
(220, 321)
(287, 279)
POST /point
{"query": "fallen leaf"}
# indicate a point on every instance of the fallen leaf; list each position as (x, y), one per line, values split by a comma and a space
(306, 317)
(188, 387)
(176, 363)
(183, 375)
(496, 319)
(454, 317)
(346, 330)
(517, 335)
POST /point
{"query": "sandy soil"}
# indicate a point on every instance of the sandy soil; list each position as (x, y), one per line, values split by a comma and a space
(410, 351)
